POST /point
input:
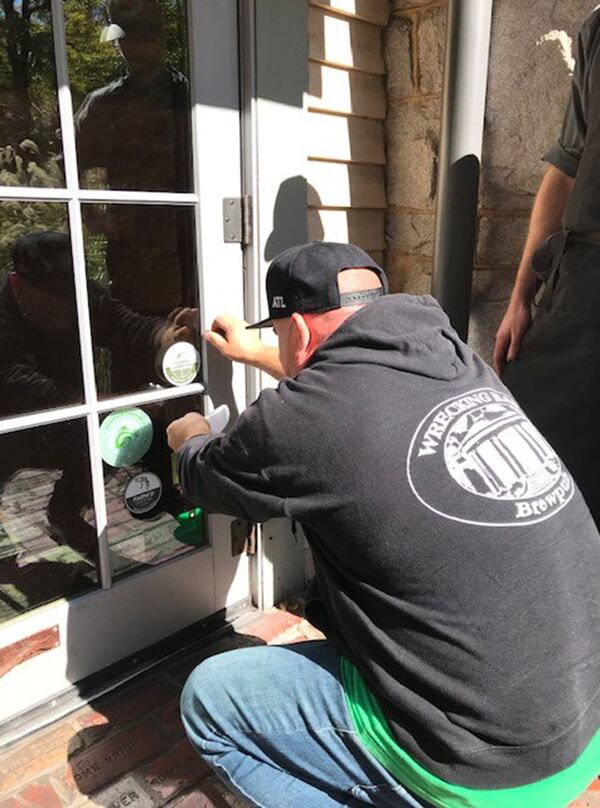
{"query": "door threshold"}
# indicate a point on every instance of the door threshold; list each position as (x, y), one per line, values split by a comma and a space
(126, 670)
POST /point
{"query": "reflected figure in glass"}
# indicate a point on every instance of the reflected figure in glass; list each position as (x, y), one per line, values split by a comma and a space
(40, 366)
(40, 369)
(134, 134)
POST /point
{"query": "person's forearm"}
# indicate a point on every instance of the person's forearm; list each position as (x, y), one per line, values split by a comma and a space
(546, 218)
(268, 361)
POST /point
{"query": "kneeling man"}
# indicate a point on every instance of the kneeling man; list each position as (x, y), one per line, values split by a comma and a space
(456, 564)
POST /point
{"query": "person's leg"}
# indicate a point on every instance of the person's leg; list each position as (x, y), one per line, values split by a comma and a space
(273, 723)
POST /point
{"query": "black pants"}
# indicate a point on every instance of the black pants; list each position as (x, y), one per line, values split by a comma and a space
(556, 378)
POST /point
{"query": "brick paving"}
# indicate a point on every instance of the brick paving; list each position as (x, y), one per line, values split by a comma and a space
(129, 750)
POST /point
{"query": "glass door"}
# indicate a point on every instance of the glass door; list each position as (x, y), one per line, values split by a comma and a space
(121, 137)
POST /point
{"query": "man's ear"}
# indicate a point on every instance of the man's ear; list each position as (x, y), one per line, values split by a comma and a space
(299, 339)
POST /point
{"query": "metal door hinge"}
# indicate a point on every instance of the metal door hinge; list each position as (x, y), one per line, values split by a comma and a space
(237, 219)
(243, 537)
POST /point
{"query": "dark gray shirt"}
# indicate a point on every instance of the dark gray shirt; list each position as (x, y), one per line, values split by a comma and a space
(576, 151)
(566, 153)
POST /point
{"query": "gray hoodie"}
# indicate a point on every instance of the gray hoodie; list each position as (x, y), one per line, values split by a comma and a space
(457, 565)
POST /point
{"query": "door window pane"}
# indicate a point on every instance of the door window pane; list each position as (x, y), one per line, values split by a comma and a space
(47, 534)
(40, 365)
(143, 290)
(30, 149)
(149, 519)
(128, 64)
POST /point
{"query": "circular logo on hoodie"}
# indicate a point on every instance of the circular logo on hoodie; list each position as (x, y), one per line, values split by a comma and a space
(476, 458)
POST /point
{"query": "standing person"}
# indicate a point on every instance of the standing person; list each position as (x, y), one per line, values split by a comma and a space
(136, 133)
(552, 365)
(455, 564)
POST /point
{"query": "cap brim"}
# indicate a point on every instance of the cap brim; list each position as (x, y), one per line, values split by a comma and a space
(111, 33)
(262, 324)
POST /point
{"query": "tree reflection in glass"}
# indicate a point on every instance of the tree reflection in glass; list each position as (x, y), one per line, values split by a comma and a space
(30, 148)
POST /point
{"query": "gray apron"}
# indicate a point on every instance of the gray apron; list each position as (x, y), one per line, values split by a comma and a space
(556, 378)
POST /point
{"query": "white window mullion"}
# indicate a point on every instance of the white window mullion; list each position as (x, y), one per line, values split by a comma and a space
(65, 106)
(24, 194)
(195, 72)
(89, 384)
(133, 197)
(157, 393)
(33, 419)
(81, 291)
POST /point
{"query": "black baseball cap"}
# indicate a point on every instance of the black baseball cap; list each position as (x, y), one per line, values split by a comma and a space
(304, 279)
(44, 258)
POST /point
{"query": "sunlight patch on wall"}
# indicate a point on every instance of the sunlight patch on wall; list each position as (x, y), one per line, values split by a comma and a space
(338, 41)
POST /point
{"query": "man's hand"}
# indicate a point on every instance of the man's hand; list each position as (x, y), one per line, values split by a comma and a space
(181, 430)
(509, 336)
(181, 326)
(228, 335)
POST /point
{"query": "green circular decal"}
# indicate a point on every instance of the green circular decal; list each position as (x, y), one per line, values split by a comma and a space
(125, 437)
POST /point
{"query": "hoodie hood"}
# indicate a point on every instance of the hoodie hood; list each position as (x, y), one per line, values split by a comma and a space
(402, 332)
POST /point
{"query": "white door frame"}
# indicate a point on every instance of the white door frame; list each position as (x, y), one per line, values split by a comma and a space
(274, 46)
(273, 38)
(111, 623)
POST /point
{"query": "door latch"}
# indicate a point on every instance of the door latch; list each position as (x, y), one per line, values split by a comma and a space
(243, 537)
(237, 219)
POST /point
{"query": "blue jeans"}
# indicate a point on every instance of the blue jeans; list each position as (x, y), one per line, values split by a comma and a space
(273, 724)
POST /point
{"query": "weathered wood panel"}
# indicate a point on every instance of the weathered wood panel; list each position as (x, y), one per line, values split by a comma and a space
(341, 185)
(334, 137)
(347, 91)
(376, 11)
(344, 42)
(362, 227)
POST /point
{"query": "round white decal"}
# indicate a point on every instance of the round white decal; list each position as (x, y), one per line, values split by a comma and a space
(142, 493)
(477, 459)
(180, 363)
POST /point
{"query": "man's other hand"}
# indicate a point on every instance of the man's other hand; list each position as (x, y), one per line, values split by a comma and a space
(181, 430)
(228, 335)
(509, 336)
(181, 326)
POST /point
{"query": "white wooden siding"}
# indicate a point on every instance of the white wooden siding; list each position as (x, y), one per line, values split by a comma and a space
(346, 107)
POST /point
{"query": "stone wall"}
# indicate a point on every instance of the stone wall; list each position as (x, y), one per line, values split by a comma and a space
(533, 45)
(414, 56)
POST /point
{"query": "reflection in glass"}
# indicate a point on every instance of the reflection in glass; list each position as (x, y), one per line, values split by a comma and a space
(40, 365)
(129, 67)
(149, 519)
(47, 534)
(30, 150)
(143, 290)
